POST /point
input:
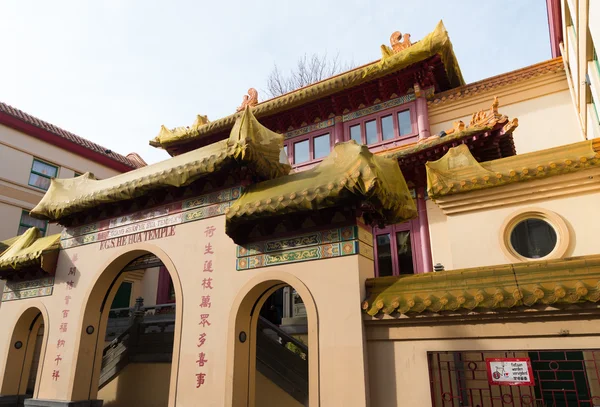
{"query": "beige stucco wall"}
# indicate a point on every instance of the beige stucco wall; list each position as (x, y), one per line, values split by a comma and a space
(472, 239)
(268, 394)
(335, 285)
(398, 365)
(138, 384)
(545, 120)
(17, 151)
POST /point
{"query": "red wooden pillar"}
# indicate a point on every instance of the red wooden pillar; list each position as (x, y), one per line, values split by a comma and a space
(164, 283)
(424, 231)
(338, 129)
(422, 118)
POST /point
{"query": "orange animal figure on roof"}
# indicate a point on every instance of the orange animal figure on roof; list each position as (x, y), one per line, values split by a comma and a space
(251, 99)
(398, 45)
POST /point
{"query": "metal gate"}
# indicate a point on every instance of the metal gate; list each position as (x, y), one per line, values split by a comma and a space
(563, 378)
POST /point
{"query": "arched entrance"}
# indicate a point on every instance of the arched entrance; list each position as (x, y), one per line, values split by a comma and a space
(26, 354)
(273, 365)
(139, 365)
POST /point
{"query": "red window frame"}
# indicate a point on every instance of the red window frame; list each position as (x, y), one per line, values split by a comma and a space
(412, 227)
(407, 138)
(290, 143)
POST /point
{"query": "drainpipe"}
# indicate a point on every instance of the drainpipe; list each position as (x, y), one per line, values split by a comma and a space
(424, 230)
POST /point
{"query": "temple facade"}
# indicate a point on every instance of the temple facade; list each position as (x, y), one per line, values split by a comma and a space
(390, 236)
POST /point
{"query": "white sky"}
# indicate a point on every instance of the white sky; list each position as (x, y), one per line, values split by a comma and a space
(113, 71)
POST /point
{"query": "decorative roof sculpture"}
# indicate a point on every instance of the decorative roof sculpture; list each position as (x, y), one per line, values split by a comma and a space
(398, 43)
(250, 100)
(249, 144)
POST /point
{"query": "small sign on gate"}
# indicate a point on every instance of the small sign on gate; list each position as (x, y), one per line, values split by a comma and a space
(510, 371)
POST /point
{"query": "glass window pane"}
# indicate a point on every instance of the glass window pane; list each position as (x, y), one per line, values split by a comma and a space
(285, 149)
(404, 122)
(387, 127)
(301, 153)
(28, 221)
(39, 181)
(321, 146)
(355, 134)
(22, 229)
(384, 255)
(404, 248)
(371, 130)
(533, 238)
(43, 168)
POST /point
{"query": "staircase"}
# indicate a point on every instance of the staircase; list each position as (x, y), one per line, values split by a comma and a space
(149, 338)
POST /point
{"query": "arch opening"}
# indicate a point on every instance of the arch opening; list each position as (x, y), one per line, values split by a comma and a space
(25, 357)
(129, 341)
(276, 347)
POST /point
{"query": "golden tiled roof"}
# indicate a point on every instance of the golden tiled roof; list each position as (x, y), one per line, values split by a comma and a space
(351, 173)
(498, 81)
(552, 282)
(435, 43)
(458, 171)
(27, 251)
(249, 143)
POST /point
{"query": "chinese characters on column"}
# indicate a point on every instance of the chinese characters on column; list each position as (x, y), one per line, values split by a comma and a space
(64, 323)
(205, 304)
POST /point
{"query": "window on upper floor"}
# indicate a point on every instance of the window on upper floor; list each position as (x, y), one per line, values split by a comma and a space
(309, 149)
(394, 248)
(28, 222)
(393, 124)
(41, 173)
(77, 174)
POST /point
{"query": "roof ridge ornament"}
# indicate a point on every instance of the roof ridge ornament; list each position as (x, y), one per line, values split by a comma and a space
(251, 100)
(398, 42)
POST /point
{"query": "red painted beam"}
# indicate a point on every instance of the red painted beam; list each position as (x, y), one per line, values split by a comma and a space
(62, 142)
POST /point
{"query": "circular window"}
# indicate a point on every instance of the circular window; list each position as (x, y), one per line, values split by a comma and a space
(533, 238)
(534, 234)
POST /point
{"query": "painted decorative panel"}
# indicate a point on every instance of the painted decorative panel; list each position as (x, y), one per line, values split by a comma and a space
(307, 129)
(28, 289)
(311, 246)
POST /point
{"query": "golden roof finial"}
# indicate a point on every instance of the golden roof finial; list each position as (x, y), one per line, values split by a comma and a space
(251, 99)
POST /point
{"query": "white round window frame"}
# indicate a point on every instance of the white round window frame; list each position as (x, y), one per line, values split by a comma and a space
(563, 237)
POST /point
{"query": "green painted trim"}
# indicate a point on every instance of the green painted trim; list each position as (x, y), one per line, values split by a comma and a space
(32, 171)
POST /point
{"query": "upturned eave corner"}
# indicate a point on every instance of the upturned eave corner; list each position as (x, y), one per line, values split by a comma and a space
(350, 175)
(30, 253)
(249, 145)
(459, 172)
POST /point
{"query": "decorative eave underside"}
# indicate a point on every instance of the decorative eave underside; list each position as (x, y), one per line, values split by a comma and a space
(435, 43)
(30, 251)
(350, 174)
(250, 144)
(494, 83)
(555, 282)
(459, 172)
